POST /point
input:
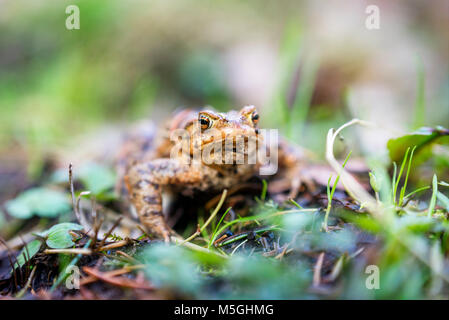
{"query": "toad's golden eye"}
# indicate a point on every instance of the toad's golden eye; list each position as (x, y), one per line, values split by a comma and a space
(205, 122)
(255, 117)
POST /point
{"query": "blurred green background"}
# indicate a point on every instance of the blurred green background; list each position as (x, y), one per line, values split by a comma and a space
(308, 65)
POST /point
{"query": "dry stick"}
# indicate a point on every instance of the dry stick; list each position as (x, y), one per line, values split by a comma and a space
(284, 251)
(317, 270)
(114, 245)
(26, 255)
(8, 250)
(212, 216)
(72, 192)
(75, 202)
(84, 251)
(193, 236)
(240, 244)
(336, 270)
(28, 283)
(82, 219)
(116, 223)
(97, 227)
(123, 282)
(131, 259)
(112, 273)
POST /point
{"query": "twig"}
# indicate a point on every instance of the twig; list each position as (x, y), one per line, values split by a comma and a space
(97, 226)
(112, 273)
(217, 208)
(81, 251)
(81, 216)
(12, 264)
(27, 285)
(240, 244)
(193, 246)
(72, 192)
(284, 251)
(131, 259)
(317, 270)
(116, 223)
(114, 245)
(75, 202)
(26, 255)
(193, 236)
(118, 281)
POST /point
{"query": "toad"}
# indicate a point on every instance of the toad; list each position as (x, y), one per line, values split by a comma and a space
(199, 151)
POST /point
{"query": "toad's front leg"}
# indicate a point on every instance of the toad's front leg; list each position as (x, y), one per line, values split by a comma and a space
(145, 183)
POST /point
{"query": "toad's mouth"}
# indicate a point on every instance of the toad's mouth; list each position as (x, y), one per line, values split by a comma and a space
(237, 144)
(222, 152)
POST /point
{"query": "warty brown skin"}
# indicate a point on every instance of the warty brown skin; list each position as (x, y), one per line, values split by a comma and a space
(147, 180)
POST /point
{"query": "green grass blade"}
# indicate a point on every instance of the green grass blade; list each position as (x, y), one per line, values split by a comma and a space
(216, 228)
(396, 185)
(420, 102)
(416, 191)
(404, 187)
(433, 200)
(330, 195)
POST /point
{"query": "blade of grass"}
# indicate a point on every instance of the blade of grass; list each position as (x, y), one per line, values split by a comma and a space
(401, 196)
(330, 194)
(214, 234)
(396, 185)
(296, 204)
(416, 191)
(352, 186)
(433, 200)
(301, 103)
(393, 181)
(420, 102)
(259, 217)
(245, 234)
(212, 216)
(264, 190)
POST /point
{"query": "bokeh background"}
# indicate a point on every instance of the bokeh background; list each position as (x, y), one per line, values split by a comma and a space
(307, 65)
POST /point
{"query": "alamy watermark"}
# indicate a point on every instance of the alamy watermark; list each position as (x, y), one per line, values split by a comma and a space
(72, 22)
(372, 282)
(227, 147)
(372, 21)
(73, 279)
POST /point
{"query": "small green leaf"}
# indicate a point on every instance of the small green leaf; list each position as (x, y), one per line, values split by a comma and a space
(373, 182)
(38, 201)
(97, 178)
(415, 223)
(423, 138)
(31, 249)
(58, 236)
